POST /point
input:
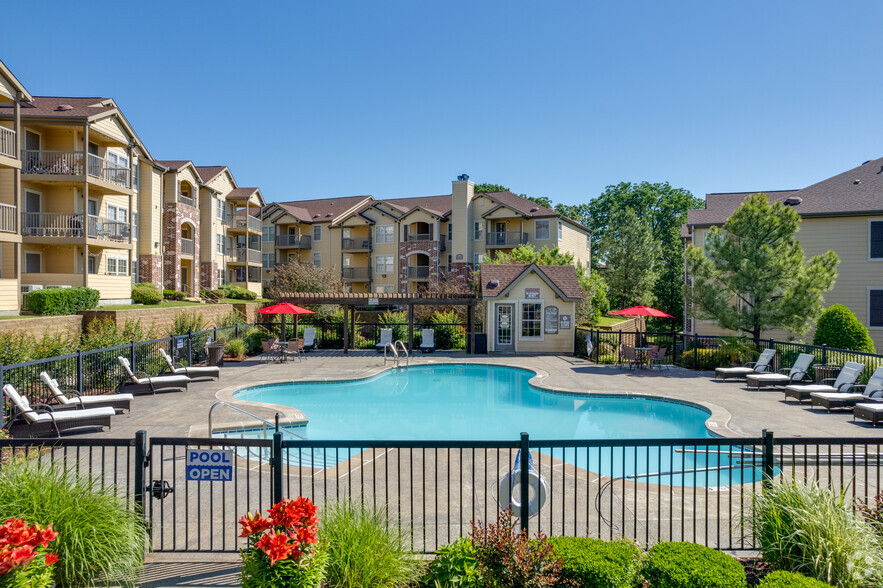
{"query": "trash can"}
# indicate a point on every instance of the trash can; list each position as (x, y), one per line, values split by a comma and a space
(479, 343)
(215, 352)
(824, 372)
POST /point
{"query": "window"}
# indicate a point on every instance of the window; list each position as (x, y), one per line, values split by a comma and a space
(541, 230)
(220, 210)
(588, 243)
(93, 264)
(317, 232)
(477, 231)
(117, 213)
(136, 175)
(383, 264)
(560, 230)
(269, 233)
(384, 234)
(222, 277)
(531, 319)
(135, 225)
(875, 308)
(219, 243)
(449, 263)
(477, 258)
(450, 231)
(268, 260)
(134, 271)
(875, 228)
(116, 266)
(317, 259)
(384, 289)
(32, 263)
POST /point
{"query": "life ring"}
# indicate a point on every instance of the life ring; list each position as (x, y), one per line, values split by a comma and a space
(512, 481)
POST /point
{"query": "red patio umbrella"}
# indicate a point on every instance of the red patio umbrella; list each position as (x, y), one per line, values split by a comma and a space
(284, 308)
(642, 311)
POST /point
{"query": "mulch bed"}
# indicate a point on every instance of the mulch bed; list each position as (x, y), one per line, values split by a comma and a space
(755, 569)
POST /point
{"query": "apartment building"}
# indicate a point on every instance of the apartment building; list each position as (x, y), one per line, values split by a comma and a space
(402, 244)
(844, 214)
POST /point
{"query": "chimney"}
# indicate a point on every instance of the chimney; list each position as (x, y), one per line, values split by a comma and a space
(462, 193)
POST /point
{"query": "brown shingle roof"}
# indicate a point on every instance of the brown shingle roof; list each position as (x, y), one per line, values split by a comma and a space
(173, 164)
(48, 106)
(522, 205)
(496, 278)
(207, 172)
(241, 192)
(322, 209)
(439, 205)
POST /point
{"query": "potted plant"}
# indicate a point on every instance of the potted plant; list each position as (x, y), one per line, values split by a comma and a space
(24, 556)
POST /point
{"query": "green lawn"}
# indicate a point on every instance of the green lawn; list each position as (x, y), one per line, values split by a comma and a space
(163, 304)
(607, 321)
(15, 316)
(238, 301)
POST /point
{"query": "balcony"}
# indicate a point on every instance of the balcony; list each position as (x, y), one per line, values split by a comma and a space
(244, 255)
(242, 277)
(419, 273)
(187, 247)
(356, 245)
(294, 241)
(506, 239)
(7, 218)
(250, 222)
(107, 229)
(67, 225)
(419, 237)
(70, 163)
(185, 200)
(7, 143)
(356, 274)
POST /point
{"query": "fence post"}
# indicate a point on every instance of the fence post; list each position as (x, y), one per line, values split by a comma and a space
(276, 466)
(235, 332)
(80, 371)
(695, 351)
(189, 347)
(214, 334)
(619, 348)
(140, 466)
(674, 348)
(768, 458)
(132, 355)
(524, 482)
(2, 396)
(824, 354)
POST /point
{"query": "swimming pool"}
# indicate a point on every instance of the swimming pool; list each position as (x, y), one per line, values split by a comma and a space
(451, 402)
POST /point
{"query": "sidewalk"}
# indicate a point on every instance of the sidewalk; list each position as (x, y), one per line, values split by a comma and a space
(194, 570)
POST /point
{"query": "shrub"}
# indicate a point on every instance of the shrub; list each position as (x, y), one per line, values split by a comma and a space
(58, 301)
(688, 565)
(454, 565)
(231, 319)
(782, 579)
(707, 358)
(838, 327)
(24, 559)
(592, 563)
(366, 548)
(173, 295)
(447, 334)
(143, 295)
(808, 529)
(98, 535)
(254, 338)
(235, 347)
(219, 293)
(397, 321)
(237, 292)
(873, 515)
(188, 322)
(507, 558)
(104, 332)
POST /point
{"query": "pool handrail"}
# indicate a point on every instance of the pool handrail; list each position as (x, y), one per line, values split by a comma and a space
(400, 343)
(395, 353)
(264, 422)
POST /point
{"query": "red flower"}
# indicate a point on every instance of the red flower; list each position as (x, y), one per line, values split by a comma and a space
(51, 558)
(254, 524)
(275, 545)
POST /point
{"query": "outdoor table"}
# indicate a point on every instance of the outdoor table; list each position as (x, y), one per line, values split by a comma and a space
(643, 354)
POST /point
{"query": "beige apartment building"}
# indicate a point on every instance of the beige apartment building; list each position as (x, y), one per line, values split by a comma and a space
(402, 244)
(843, 214)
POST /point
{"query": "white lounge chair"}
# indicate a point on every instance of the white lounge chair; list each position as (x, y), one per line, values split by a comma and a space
(121, 401)
(309, 338)
(762, 365)
(191, 372)
(427, 343)
(385, 339)
(868, 411)
(796, 373)
(40, 419)
(142, 380)
(845, 393)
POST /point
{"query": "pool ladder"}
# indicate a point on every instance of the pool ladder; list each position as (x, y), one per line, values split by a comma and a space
(264, 422)
(395, 353)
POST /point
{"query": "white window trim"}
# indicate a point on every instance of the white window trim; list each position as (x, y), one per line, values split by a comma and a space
(536, 237)
(388, 262)
(387, 231)
(319, 227)
(319, 254)
(39, 254)
(479, 234)
(117, 262)
(25, 199)
(878, 219)
(519, 307)
(560, 229)
(868, 309)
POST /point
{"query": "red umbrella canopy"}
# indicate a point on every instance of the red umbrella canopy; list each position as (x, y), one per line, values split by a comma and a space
(642, 311)
(285, 308)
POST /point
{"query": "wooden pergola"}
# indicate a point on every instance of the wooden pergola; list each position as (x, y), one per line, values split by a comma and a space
(349, 300)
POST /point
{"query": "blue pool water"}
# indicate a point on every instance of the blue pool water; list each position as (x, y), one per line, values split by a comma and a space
(482, 402)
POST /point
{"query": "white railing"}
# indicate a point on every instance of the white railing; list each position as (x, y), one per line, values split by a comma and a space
(251, 222)
(112, 173)
(187, 247)
(108, 229)
(51, 224)
(7, 142)
(59, 163)
(249, 255)
(302, 242)
(7, 218)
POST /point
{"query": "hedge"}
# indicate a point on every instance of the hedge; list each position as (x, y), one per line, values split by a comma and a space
(143, 294)
(783, 579)
(58, 301)
(173, 295)
(238, 292)
(839, 328)
(593, 563)
(687, 565)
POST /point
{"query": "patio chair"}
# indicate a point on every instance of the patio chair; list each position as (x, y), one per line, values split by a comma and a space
(385, 339)
(271, 350)
(762, 365)
(657, 358)
(796, 373)
(189, 371)
(427, 343)
(294, 347)
(141, 381)
(40, 419)
(845, 393)
(115, 401)
(309, 339)
(868, 411)
(629, 356)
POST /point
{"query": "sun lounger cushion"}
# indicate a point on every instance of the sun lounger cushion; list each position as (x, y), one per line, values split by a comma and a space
(204, 371)
(870, 406)
(70, 415)
(734, 371)
(770, 377)
(841, 396)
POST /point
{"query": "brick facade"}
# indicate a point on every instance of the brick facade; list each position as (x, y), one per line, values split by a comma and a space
(150, 270)
(409, 248)
(460, 271)
(174, 215)
(208, 275)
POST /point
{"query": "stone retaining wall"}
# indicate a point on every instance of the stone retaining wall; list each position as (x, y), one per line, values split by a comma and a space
(160, 319)
(37, 326)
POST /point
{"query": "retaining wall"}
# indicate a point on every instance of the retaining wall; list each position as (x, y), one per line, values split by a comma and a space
(160, 319)
(37, 326)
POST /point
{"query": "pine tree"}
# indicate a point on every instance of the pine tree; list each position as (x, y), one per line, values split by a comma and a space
(631, 255)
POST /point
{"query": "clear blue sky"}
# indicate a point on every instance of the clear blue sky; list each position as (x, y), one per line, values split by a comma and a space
(322, 99)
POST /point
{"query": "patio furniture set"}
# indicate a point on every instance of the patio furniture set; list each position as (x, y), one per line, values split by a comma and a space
(643, 357)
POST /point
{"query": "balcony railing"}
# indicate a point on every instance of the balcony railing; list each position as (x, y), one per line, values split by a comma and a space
(252, 275)
(187, 247)
(63, 224)
(356, 244)
(419, 237)
(251, 222)
(70, 163)
(356, 274)
(185, 200)
(7, 142)
(7, 218)
(506, 238)
(248, 255)
(109, 172)
(108, 229)
(294, 241)
(418, 272)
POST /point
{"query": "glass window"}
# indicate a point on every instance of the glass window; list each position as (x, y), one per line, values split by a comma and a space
(135, 225)
(384, 289)
(136, 175)
(450, 231)
(560, 230)
(477, 231)
(32, 263)
(875, 308)
(478, 258)
(384, 234)
(116, 266)
(317, 258)
(383, 264)
(317, 232)
(268, 260)
(876, 230)
(134, 271)
(269, 233)
(588, 243)
(531, 319)
(541, 230)
(93, 264)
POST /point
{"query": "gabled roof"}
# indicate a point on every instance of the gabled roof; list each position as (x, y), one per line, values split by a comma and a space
(322, 209)
(719, 206)
(209, 172)
(528, 208)
(174, 164)
(437, 205)
(57, 107)
(13, 81)
(498, 279)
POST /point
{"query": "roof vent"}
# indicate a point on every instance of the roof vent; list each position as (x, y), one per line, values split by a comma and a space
(881, 170)
(534, 209)
(462, 177)
(792, 201)
(856, 182)
(63, 107)
(315, 216)
(493, 284)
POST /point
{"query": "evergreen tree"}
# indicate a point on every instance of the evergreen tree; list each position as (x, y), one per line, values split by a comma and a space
(631, 255)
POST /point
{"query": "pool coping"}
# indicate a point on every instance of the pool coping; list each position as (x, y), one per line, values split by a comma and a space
(717, 422)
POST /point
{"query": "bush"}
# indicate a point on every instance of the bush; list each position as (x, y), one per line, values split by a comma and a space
(235, 347)
(397, 321)
(873, 515)
(231, 319)
(838, 328)
(58, 301)
(141, 294)
(592, 563)
(173, 295)
(688, 565)
(219, 293)
(366, 548)
(104, 332)
(188, 322)
(507, 558)
(98, 535)
(254, 338)
(805, 528)
(782, 579)
(447, 334)
(454, 565)
(707, 358)
(237, 292)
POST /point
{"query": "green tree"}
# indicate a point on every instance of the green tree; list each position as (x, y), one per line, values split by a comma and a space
(838, 327)
(632, 254)
(484, 188)
(305, 277)
(752, 274)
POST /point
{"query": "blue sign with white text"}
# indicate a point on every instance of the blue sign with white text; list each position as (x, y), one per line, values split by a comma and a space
(209, 465)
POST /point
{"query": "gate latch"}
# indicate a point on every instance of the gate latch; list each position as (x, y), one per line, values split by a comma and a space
(159, 489)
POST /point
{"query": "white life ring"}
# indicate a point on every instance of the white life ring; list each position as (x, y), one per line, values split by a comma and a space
(507, 492)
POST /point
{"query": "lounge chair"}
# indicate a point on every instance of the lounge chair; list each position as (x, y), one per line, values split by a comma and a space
(309, 339)
(189, 371)
(40, 419)
(427, 343)
(848, 393)
(120, 401)
(142, 381)
(868, 411)
(797, 373)
(762, 365)
(385, 339)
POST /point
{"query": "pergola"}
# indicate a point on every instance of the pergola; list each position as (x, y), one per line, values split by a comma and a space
(349, 300)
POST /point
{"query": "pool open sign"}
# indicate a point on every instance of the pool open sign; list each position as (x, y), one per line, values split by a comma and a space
(209, 465)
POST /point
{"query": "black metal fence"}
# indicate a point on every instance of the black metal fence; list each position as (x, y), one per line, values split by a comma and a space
(329, 334)
(697, 490)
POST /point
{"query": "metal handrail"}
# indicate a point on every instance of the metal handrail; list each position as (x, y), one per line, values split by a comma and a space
(264, 422)
(399, 343)
(394, 352)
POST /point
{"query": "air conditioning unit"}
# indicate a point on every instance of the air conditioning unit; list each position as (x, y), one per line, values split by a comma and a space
(25, 288)
(60, 286)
